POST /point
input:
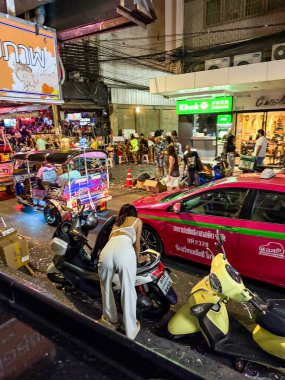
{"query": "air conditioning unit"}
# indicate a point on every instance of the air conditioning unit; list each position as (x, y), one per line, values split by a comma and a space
(246, 59)
(278, 51)
(217, 63)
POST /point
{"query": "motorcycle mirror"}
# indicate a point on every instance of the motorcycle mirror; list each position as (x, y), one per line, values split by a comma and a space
(177, 207)
(75, 229)
(220, 243)
(219, 237)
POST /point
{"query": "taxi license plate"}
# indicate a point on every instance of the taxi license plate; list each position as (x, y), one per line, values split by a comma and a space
(165, 283)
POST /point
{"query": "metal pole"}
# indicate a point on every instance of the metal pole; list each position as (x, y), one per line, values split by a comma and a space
(11, 9)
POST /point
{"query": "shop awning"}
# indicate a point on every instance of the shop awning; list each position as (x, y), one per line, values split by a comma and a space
(31, 108)
(26, 108)
(5, 110)
(228, 81)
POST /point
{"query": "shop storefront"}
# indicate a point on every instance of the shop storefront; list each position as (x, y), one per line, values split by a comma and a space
(261, 111)
(208, 121)
(29, 81)
(91, 123)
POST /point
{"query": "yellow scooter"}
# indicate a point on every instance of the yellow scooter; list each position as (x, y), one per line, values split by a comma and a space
(206, 311)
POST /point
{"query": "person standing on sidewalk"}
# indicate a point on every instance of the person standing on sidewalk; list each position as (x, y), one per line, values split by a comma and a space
(260, 147)
(193, 165)
(159, 148)
(134, 148)
(230, 150)
(173, 168)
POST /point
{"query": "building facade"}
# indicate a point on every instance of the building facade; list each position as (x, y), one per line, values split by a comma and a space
(234, 49)
(129, 59)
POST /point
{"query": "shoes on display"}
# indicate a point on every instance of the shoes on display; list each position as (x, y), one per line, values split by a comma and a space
(104, 321)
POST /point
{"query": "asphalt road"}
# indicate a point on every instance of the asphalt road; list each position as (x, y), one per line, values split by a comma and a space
(31, 224)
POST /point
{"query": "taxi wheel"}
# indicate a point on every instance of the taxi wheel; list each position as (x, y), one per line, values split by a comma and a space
(150, 239)
(51, 214)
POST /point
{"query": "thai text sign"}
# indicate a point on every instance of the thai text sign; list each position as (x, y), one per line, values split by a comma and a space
(224, 104)
(28, 62)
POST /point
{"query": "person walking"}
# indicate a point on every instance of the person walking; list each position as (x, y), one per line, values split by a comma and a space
(121, 254)
(173, 168)
(193, 165)
(260, 147)
(230, 150)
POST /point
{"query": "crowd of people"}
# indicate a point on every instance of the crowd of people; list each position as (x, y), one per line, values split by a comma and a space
(163, 151)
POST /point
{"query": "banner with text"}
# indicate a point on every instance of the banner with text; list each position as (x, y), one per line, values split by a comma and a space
(28, 62)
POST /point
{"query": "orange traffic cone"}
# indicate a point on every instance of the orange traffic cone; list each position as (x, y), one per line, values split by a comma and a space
(129, 180)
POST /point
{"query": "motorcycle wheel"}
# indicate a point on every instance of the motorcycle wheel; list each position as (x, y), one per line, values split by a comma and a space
(158, 307)
(51, 214)
(150, 239)
(57, 278)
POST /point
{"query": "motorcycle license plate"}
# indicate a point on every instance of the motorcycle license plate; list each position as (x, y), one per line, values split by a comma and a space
(165, 283)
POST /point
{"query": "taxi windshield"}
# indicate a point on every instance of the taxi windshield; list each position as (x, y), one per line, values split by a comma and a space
(180, 194)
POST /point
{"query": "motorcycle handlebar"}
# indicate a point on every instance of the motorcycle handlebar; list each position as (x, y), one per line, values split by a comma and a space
(81, 210)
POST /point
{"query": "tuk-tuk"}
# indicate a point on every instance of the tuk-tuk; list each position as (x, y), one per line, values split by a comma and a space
(53, 181)
(6, 168)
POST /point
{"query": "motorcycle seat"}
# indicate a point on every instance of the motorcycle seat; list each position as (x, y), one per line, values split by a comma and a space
(277, 307)
(272, 322)
(144, 268)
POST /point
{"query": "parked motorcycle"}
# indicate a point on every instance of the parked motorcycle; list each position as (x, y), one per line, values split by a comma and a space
(206, 312)
(73, 265)
(213, 173)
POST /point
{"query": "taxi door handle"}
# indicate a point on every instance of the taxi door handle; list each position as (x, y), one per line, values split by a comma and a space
(228, 228)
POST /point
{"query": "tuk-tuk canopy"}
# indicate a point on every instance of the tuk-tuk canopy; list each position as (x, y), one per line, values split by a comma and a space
(58, 156)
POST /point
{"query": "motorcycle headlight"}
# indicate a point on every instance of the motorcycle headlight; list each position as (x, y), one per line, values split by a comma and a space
(233, 273)
(215, 283)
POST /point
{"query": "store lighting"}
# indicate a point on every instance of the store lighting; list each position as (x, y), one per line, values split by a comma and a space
(138, 109)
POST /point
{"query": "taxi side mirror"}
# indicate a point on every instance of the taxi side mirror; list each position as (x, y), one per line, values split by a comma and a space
(177, 207)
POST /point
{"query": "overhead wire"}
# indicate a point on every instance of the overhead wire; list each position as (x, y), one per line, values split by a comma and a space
(107, 53)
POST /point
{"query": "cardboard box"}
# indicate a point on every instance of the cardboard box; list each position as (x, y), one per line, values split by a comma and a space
(154, 186)
(140, 185)
(14, 250)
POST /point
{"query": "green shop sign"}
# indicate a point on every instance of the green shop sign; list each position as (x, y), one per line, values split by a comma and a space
(224, 119)
(224, 104)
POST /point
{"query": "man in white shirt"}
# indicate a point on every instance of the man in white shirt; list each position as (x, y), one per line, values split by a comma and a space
(260, 147)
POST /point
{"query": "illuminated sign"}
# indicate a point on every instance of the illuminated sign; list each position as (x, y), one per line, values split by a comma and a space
(28, 62)
(224, 104)
(224, 119)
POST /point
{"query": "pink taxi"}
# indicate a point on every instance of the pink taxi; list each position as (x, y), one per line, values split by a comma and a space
(249, 211)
